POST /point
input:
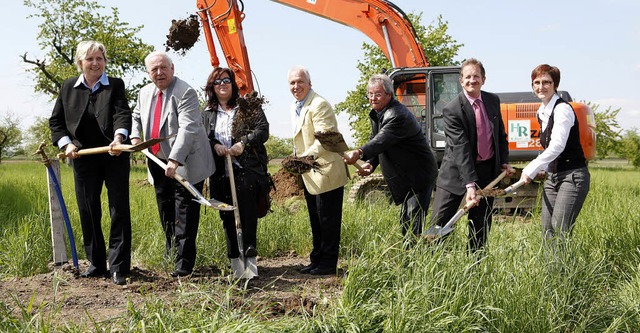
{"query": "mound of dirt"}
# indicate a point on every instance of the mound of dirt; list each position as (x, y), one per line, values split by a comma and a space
(286, 186)
(183, 34)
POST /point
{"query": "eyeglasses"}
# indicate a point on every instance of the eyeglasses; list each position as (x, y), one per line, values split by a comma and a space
(375, 95)
(225, 80)
(543, 83)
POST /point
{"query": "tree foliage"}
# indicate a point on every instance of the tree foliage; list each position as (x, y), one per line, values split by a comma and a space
(629, 147)
(65, 23)
(439, 47)
(279, 147)
(37, 133)
(10, 134)
(607, 130)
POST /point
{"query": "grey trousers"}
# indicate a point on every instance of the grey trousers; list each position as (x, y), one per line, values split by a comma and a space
(564, 194)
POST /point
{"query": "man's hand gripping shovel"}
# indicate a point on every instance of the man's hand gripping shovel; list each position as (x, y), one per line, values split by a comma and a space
(124, 148)
(213, 203)
(248, 267)
(436, 231)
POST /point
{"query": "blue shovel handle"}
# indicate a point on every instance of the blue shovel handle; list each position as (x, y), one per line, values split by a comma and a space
(65, 215)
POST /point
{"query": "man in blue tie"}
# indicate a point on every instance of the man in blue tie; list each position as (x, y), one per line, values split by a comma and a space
(323, 188)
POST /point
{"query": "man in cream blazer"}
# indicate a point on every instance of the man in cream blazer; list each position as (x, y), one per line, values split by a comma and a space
(323, 188)
(187, 153)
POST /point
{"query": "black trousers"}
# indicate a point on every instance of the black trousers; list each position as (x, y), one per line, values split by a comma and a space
(413, 212)
(325, 215)
(90, 173)
(446, 204)
(179, 216)
(247, 191)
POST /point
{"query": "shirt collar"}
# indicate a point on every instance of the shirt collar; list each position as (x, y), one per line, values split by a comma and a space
(471, 99)
(304, 100)
(547, 109)
(103, 80)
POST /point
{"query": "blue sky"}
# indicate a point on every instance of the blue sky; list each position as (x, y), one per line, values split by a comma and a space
(596, 45)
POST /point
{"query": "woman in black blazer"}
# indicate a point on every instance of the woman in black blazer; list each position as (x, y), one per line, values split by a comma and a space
(92, 111)
(239, 130)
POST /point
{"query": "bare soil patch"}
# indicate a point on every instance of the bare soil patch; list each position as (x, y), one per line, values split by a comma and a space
(279, 290)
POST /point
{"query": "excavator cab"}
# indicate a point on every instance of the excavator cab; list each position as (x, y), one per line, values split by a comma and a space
(425, 92)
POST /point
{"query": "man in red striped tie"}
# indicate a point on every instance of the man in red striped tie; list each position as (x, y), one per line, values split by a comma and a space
(166, 107)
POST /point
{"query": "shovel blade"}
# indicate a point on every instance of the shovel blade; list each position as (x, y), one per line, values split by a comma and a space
(332, 141)
(250, 268)
(219, 205)
(435, 231)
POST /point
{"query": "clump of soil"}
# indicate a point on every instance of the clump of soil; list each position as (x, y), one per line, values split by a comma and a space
(491, 192)
(286, 186)
(330, 138)
(252, 101)
(299, 165)
(183, 34)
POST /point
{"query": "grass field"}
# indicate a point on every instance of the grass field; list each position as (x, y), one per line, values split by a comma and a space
(590, 283)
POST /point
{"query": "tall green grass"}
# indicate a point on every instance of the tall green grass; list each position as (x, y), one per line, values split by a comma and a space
(588, 283)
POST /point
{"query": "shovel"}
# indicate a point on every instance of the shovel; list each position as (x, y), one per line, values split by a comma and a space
(436, 231)
(125, 148)
(213, 203)
(334, 142)
(248, 268)
(63, 207)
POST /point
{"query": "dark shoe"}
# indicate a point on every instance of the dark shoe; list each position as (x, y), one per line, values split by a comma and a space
(180, 272)
(307, 269)
(118, 278)
(93, 271)
(323, 271)
(251, 252)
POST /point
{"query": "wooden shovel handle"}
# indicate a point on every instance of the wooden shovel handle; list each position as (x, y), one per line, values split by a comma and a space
(98, 150)
(344, 155)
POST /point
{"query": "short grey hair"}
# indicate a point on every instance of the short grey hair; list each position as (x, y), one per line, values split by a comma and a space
(382, 79)
(86, 47)
(298, 68)
(153, 54)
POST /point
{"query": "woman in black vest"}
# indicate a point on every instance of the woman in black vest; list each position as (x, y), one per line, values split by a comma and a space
(562, 160)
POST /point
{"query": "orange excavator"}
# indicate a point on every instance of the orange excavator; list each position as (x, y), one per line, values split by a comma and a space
(424, 89)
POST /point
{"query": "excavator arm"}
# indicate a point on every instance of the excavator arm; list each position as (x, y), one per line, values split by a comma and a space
(225, 17)
(382, 21)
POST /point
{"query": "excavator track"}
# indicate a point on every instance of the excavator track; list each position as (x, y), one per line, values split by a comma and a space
(369, 189)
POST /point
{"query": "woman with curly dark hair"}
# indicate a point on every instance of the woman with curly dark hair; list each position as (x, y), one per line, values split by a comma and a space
(237, 127)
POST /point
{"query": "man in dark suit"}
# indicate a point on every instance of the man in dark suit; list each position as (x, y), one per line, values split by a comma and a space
(476, 152)
(92, 111)
(398, 144)
(166, 107)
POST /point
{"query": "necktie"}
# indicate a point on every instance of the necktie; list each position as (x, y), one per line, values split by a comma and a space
(483, 129)
(298, 107)
(155, 130)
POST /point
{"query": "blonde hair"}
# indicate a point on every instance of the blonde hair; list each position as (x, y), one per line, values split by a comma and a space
(86, 47)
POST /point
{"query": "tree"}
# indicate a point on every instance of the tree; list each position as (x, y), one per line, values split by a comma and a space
(629, 147)
(439, 47)
(36, 134)
(279, 147)
(10, 134)
(67, 22)
(607, 130)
